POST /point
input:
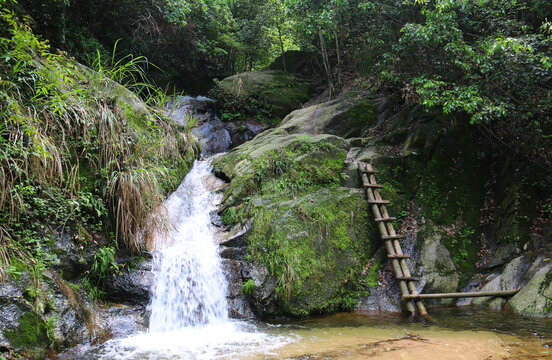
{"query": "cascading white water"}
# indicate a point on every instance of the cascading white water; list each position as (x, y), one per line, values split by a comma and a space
(189, 287)
(189, 318)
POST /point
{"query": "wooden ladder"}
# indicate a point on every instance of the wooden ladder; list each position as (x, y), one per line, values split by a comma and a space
(394, 251)
(392, 244)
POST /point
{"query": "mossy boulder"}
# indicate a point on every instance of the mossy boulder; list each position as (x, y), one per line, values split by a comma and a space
(276, 161)
(266, 96)
(346, 117)
(314, 247)
(534, 299)
(309, 239)
(38, 315)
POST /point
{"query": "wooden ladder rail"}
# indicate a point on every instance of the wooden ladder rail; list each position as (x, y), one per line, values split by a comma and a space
(392, 244)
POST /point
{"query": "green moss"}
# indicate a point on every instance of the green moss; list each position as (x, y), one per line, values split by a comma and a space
(31, 332)
(266, 95)
(316, 247)
(289, 171)
(452, 192)
(363, 114)
(372, 278)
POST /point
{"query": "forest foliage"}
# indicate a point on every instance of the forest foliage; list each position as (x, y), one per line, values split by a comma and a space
(486, 60)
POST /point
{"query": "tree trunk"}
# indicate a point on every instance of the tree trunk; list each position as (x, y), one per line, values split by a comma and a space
(326, 62)
(338, 60)
(281, 45)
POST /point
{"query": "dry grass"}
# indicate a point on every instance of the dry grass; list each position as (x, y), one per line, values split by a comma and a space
(54, 122)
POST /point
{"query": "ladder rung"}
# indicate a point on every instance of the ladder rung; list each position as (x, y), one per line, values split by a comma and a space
(386, 219)
(500, 293)
(368, 171)
(378, 201)
(408, 278)
(392, 237)
(375, 186)
(398, 256)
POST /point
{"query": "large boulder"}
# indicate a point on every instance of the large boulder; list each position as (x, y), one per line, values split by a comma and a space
(439, 268)
(535, 298)
(266, 96)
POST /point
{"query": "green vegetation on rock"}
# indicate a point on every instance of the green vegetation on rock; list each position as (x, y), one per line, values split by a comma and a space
(266, 96)
(315, 246)
(31, 332)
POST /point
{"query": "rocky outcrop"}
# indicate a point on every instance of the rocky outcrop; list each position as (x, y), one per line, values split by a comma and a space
(448, 201)
(262, 98)
(47, 315)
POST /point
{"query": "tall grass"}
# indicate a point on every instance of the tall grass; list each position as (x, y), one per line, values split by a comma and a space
(61, 122)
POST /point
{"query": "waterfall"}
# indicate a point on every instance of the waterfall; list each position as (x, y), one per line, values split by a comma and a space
(188, 306)
(189, 287)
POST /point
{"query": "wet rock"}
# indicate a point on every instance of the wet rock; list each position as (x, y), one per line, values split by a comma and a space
(212, 135)
(132, 286)
(12, 307)
(382, 298)
(236, 236)
(76, 320)
(237, 301)
(207, 127)
(439, 268)
(534, 299)
(54, 313)
(243, 130)
(262, 299)
(73, 251)
(500, 256)
(68, 259)
(232, 252)
(121, 320)
(494, 303)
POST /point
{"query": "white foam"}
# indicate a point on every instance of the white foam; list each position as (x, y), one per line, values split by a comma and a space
(229, 340)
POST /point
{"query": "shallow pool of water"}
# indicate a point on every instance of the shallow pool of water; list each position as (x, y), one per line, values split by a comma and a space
(451, 333)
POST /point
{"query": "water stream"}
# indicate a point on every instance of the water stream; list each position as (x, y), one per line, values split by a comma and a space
(189, 288)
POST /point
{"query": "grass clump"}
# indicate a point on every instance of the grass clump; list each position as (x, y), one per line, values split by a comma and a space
(77, 149)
